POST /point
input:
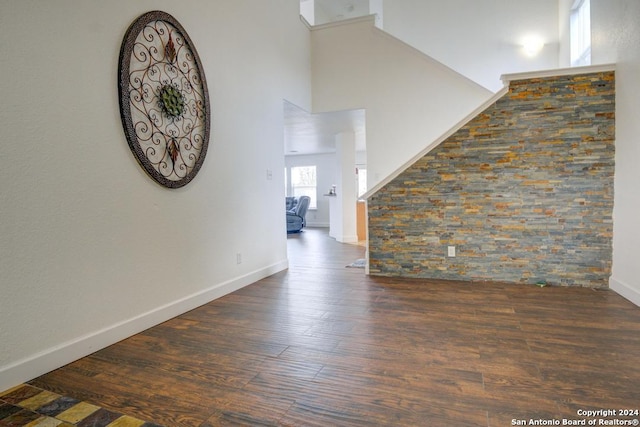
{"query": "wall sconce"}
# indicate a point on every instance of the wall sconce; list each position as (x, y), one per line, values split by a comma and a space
(532, 45)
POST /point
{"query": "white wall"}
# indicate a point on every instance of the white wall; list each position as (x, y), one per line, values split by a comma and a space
(307, 11)
(343, 225)
(410, 99)
(326, 176)
(479, 39)
(376, 7)
(615, 38)
(92, 249)
(321, 14)
(564, 51)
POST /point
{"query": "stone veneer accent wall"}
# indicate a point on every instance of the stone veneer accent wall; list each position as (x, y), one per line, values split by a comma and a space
(524, 191)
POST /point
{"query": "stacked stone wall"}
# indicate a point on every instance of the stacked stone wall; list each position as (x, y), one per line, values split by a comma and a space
(524, 191)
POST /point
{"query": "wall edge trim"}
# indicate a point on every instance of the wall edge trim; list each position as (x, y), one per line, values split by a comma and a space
(625, 290)
(52, 358)
(571, 71)
(366, 18)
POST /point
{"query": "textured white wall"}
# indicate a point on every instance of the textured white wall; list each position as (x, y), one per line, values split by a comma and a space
(91, 248)
(479, 39)
(615, 38)
(410, 99)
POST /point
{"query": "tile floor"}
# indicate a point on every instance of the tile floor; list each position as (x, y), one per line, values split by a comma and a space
(26, 405)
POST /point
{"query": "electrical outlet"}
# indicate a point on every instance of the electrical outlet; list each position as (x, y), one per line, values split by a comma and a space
(451, 251)
(238, 258)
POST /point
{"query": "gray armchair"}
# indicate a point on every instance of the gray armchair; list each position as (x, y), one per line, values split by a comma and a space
(296, 215)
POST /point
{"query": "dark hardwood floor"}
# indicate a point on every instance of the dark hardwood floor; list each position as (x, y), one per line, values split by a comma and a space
(325, 345)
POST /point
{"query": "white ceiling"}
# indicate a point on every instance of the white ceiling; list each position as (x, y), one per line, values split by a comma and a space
(306, 133)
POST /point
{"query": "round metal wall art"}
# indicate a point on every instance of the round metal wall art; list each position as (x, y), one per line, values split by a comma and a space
(164, 101)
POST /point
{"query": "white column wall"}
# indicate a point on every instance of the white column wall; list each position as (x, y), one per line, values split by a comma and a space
(347, 191)
(615, 38)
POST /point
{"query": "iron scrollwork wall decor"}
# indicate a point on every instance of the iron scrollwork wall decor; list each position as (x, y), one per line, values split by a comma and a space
(164, 101)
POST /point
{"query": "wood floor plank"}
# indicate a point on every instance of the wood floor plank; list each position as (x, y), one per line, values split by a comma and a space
(321, 344)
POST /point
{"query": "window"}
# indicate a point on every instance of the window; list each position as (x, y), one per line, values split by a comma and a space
(580, 33)
(303, 183)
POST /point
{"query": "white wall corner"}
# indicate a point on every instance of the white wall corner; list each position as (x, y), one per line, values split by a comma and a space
(60, 355)
(626, 290)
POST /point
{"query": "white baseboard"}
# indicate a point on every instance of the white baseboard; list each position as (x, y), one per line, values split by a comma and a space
(347, 239)
(317, 224)
(626, 290)
(64, 353)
